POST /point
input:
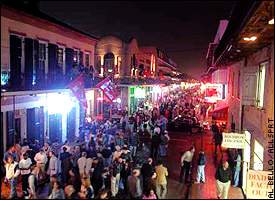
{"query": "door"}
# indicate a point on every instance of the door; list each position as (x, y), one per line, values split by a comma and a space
(35, 124)
(55, 127)
(71, 124)
(10, 129)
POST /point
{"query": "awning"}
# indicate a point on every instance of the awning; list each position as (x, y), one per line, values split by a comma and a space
(220, 113)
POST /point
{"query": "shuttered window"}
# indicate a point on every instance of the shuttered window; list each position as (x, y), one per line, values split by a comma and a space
(15, 61)
(261, 84)
(250, 86)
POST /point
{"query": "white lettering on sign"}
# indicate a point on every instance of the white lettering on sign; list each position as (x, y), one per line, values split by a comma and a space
(233, 140)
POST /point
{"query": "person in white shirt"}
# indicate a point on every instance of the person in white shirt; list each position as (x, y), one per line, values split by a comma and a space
(12, 173)
(25, 169)
(186, 160)
(41, 159)
(82, 162)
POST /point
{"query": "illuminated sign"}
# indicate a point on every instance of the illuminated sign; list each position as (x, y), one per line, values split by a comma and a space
(233, 140)
(258, 186)
(213, 92)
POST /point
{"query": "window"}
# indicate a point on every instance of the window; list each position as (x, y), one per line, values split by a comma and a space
(260, 85)
(61, 59)
(258, 156)
(42, 59)
(4, 77)
(76, 57)
(87, 59)
(109, 62)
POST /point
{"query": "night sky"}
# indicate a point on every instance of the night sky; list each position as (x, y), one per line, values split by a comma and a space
(184, 29)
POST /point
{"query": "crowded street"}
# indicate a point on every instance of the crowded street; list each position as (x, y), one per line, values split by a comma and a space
(137, 100)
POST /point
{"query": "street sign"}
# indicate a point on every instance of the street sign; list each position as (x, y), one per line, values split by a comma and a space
(233, 140)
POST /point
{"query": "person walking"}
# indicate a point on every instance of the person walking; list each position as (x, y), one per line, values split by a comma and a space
(237, 170)
(25, 169)
(223, 177)
(201, 166)
(161, 180)
(155, 142)
(134, 185)
(186, 160)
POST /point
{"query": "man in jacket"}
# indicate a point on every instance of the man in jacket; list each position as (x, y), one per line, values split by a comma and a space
(223, 177)
(201, 165)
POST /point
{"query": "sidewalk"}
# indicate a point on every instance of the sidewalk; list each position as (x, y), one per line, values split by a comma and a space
(208, 190)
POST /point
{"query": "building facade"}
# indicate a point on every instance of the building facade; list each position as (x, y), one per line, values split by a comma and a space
(250, 67)
(38, 57)
(133, 67)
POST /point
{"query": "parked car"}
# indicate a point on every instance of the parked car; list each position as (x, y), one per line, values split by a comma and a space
(185, 124)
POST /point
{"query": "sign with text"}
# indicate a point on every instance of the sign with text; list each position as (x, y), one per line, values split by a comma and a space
(233, 140)
(258, 185)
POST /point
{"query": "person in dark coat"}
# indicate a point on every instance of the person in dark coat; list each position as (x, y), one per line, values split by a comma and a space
(66, 165)
(155, 145)
(147, 171)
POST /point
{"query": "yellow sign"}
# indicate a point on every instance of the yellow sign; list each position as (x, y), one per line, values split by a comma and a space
(258, 185)
(233, 140)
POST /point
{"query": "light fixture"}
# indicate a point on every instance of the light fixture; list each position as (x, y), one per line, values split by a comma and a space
(271, 21)
(253, 38)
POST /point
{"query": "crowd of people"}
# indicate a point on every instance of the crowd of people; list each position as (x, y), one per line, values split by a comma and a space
(113, 161)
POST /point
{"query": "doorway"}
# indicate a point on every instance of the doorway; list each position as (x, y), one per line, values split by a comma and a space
(55, 127)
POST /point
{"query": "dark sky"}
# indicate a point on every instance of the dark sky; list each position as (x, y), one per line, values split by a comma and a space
(183, 29)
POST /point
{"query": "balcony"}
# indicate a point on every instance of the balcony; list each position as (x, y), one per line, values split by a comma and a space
(50, 82)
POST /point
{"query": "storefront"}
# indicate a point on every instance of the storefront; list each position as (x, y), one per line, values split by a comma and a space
(39, 115)
(143, 97)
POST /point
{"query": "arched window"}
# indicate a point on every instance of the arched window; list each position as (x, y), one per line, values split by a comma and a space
(109, 62)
